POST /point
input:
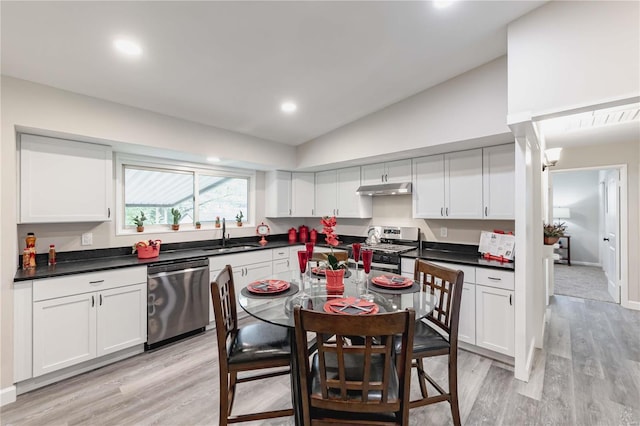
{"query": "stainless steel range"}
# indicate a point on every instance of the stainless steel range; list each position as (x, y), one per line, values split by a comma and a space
(387, 242)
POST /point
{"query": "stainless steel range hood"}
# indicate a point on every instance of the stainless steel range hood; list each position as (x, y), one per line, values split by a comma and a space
(386, 189)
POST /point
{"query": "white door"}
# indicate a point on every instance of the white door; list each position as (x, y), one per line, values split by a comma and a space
(610, 240)
(122, 318)
(64, 332)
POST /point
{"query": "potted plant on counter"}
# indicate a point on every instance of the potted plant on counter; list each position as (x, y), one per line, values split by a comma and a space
(239, 217)
(553, 232)
(176, 218)
(139, 221)
(198, 225)
(217, 221)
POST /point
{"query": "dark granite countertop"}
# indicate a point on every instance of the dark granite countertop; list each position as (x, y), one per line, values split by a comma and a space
(456, 253)
(105, 259)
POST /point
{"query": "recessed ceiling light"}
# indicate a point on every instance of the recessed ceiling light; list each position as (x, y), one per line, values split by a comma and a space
(213, 159)
(128, 47)
(441, 4)
(288, 107)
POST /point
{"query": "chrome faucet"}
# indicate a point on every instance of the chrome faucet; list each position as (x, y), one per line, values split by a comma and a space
(224, 232)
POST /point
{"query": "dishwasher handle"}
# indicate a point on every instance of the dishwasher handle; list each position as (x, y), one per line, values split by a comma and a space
(178, 266)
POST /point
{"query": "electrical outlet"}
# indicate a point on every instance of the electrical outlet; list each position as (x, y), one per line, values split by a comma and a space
(443, 232)
(87, 239)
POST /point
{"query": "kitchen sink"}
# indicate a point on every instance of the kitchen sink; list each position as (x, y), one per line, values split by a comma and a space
(229, 249)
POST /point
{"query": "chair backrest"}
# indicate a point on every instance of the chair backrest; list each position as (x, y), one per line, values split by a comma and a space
(223, 295)
(362, 377)
(446, 284)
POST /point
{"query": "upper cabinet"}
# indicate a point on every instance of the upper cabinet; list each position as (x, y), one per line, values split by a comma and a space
(64, 181)
(289, 194)
(448, 186)
(391, 172)
(498, 174)
(336, 194)
(474, 184)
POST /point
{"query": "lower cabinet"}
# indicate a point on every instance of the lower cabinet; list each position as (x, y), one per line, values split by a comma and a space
(72, 329)
(487, 314)
(281, 262)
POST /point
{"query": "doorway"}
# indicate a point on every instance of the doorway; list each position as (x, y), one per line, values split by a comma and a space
(588, 201)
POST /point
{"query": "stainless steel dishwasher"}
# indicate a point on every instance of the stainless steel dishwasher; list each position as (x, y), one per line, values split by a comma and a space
(177, 300)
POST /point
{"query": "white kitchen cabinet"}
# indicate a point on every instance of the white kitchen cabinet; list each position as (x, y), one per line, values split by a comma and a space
(448, 186)
(64, 181)
(390, 172)
(281, 262)
(289, 194)
(495, 316)
(336, 194)
(81, 317)
(303, 194)
(498, 185)
(467, 321)
(278, 194)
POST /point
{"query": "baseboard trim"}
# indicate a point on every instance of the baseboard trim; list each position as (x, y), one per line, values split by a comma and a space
(630, 304)
(574, 262)
(8, 395)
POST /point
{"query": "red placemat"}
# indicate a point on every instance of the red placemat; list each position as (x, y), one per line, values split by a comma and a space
(350, 306)
(392, 281)
(268, 286)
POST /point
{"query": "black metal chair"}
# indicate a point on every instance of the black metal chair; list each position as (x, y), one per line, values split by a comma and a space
(255, 346)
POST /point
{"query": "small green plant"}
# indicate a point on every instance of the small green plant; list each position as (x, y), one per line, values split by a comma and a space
(139, 220)
(239, 217)
(198, 224)
(176, 216)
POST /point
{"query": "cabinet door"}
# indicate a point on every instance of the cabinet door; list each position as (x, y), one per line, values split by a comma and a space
(463, 185)
(326, 193)
(122, 318)
(467, 325)
(280, 265)
(428, 191)
(373, 174)
(64, 181)
(350, 204)
(498, 174)
(64, 332)
(278, 194)
(495, 319)
(397, 171)
(302, 194)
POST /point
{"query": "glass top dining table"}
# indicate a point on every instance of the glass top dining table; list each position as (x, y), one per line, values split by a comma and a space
(278, 308)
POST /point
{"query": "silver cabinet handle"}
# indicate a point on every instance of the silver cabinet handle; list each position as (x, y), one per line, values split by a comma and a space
(100, 300)
(96, 282)
(510, 300)
(441, 210)
(495, 278)
(485, 211)
(287, 263)
(289, 212)
(93, 301)
(446, 211)
(382, 178)
(108, 212)
(386, 177)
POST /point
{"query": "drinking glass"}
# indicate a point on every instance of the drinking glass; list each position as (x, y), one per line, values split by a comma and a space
(302, 264)
(355, 249)
(309, 249)
(367, 257)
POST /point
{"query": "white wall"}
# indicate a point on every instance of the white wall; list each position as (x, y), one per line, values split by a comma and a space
(579, 191)
(572, 53)
(609, 154)
(470, 106)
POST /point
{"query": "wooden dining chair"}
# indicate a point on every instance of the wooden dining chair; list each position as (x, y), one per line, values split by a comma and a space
(256, 346)
(354, 383)
(437, 333)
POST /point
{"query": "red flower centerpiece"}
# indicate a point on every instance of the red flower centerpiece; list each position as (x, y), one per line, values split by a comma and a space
(335, 270)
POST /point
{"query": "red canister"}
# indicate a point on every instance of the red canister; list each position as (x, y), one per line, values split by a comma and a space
(313, 235)
(303, 233)
(293, 235)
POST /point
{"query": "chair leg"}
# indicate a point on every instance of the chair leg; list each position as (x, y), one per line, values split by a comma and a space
(421, 380)
(223, 398)
(233, 378)
(453, 389)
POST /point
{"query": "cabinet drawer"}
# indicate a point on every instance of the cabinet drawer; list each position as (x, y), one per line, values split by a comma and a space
(50, 288)
(495, 278)
(468, 271)
(280, 253)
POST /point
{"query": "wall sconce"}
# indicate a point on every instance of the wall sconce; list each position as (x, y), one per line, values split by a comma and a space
(551, 157)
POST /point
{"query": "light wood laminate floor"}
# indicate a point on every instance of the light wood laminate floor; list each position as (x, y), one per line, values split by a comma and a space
(587, 374)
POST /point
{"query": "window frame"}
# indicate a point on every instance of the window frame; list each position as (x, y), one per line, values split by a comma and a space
(153, 163)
